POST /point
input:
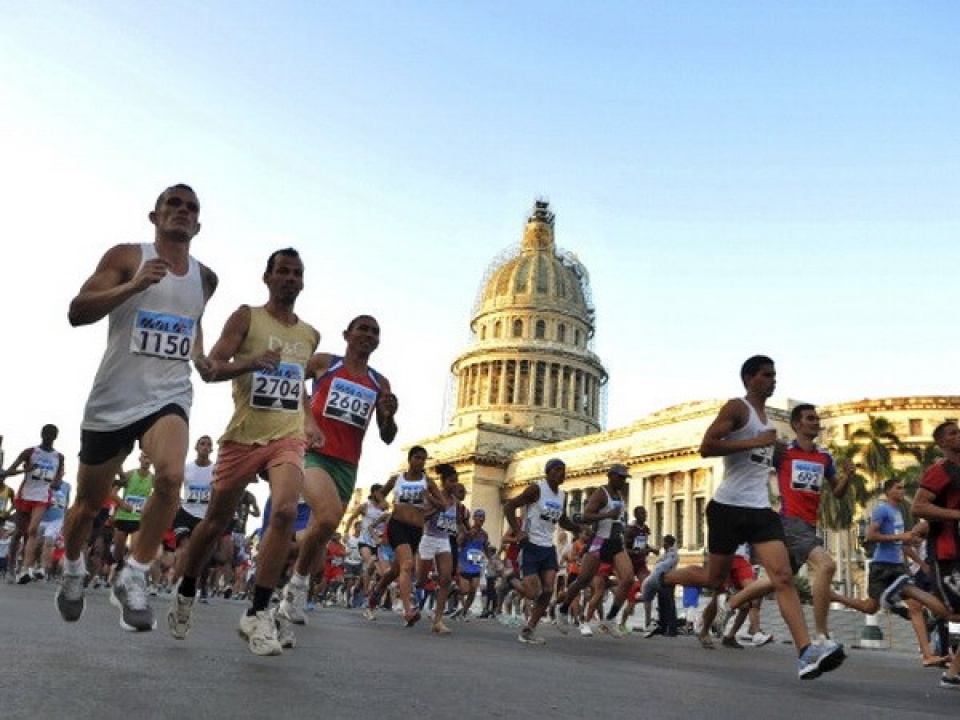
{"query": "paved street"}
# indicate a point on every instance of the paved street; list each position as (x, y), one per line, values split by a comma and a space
(346, 667)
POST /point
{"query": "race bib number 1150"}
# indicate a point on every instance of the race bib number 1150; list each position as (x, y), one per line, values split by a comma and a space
(163, 335)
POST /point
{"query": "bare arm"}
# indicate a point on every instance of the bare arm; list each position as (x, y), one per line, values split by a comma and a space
(732, 416)
(118, 277)
(591, 513)
(529, 496)
(924, 507)
(220, 364)
(386, 412)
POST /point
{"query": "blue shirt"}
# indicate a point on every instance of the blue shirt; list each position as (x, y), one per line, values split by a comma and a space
(59, 499)
(889, 521)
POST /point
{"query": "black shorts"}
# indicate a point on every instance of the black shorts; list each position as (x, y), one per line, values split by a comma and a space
(611, 547)
(729, 526)
(184, 524)
(946, 579)
(126, 526)
(98, 447)
(882, 575)
(402, 534)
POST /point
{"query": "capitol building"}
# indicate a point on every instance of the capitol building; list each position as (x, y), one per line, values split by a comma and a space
(529, 387)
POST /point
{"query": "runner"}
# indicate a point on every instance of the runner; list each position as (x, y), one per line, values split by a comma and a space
(51, 531)
(546, 507)
(346, 395)
(740, 512)
(264, 351)
(43, 471)
(154, 295)
(434, 550)
(131, 496)
(369, 513)
(473, 553)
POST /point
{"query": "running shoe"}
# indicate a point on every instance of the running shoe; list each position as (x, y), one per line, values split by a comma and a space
(652, 629)
(129, 594)
(586, 629)
(761, 638)
(260, 632)
(70, 601)
(24, 578)
(285, 635)
(410, 619)
(607, 627)
(369, 614)
(440, 629)
(179, 615)
(563, 622)
(731, 642)
(951, 683)
(293, 603)
(706, 641)
(529, 637)
(38, 573)
(818, 659)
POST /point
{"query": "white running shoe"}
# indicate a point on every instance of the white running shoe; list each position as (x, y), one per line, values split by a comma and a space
(179, 615)
(294, 603)
(129, 594)
(585, 629)
(260, 632)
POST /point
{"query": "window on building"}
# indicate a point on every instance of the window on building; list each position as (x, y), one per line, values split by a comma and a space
(538, 383)
(497, 329)
(576, 338)
(916, 427)
(540, 330)
(483, 332)
(518, 328)
(562, 333)
(700, 521)
(657, 528)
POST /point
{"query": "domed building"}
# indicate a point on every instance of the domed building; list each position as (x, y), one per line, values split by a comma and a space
(529, 387)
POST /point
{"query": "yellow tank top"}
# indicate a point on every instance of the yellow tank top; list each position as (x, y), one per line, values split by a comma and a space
(268, 403)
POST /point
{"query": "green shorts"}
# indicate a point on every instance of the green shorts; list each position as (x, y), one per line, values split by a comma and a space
(344, 474)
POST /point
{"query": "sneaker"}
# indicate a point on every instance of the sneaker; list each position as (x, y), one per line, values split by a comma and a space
(761, 638)
(285, 635)
(38, 573)
(293, 603)
(609, 628)
(652, 629)
(69, 598)
(563, 623)
(706, 641)
(527, 636)
(410, 619)
(891, 596)
(440, 629)
(817, 659)
(153, 590)
(731, 642)
(24, 577)
(178, 616)
(129, 594)
(953, 683)
(698, 624)
(369, 614)
(586, 629)
(260, 632)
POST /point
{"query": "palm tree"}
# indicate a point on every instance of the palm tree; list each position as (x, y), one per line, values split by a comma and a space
(876, 445)
(837, 514)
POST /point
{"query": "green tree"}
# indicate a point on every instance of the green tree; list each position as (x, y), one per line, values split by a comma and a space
(876, 445)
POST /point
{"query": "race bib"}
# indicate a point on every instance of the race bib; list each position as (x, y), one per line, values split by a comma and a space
(163, 335)
(136, 503)
(762, 456)
(446, 521)
(806, 475)
(277, 389)
(551, 511)
(198, 494)
(350, 402)
(640, 542)
(43, 473)
(474, 557)
(410, 494)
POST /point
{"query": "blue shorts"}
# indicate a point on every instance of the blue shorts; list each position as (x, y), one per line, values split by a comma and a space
(303, 516)
(535, 559)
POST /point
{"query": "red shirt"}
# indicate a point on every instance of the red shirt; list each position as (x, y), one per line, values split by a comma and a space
(342, 404)
(942, 539)
(800, 476)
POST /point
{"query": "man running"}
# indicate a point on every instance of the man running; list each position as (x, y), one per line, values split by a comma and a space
(740, 512)
(43, 471)
(154, 295)
(264, 351)
(131, 496)
(346, 395)
(546, 507)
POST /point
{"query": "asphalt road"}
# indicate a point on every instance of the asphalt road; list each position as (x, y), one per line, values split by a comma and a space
(346, 667)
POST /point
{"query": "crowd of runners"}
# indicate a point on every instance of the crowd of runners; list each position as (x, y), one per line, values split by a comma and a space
(299, 421)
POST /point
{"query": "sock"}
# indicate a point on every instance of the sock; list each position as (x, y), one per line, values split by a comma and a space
(614, 609)
(261, 599)
(74, 567)
(188, 586)
(135, 564)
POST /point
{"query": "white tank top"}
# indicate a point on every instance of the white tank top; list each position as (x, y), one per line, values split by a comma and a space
(149, 345)
(747, 473)
(606, 527)
(371, 513)
(196, 488)
(412, 492)
(36, 483)
(543, 515)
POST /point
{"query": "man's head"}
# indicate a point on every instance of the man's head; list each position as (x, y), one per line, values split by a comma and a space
(417, 457)
(617, 475)
(376, 492)
(947, 436)
(48, 433)
(894, 490)
(669, 541)
(640, 514)
(479, 516)
(363, 334)
(176, 214)
(144, 462)
(284, 275)
(805, 421)
(758, 375)
(204, 447)
(555, 469)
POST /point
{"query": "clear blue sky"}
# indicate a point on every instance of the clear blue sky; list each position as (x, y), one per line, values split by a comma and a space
(738, 177)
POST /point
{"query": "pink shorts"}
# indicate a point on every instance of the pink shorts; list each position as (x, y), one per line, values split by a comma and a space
(27, 506)
(238, 464)
(741, 573)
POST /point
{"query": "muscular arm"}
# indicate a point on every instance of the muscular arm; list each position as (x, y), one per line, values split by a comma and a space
(529, 496)
(924, 507)
(220, 364)
(115, 280)
(591, 513)
(386, 412)
(732, 416)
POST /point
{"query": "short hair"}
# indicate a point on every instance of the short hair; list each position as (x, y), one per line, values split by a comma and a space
(359, 317)
(752, 366)
(376, 487)
(797, 413)
(414, 450)
(669, 541)
(48, 428)
(178, 186)
(940, 430)
(445, 470)
(287, 252)
(890, 482)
